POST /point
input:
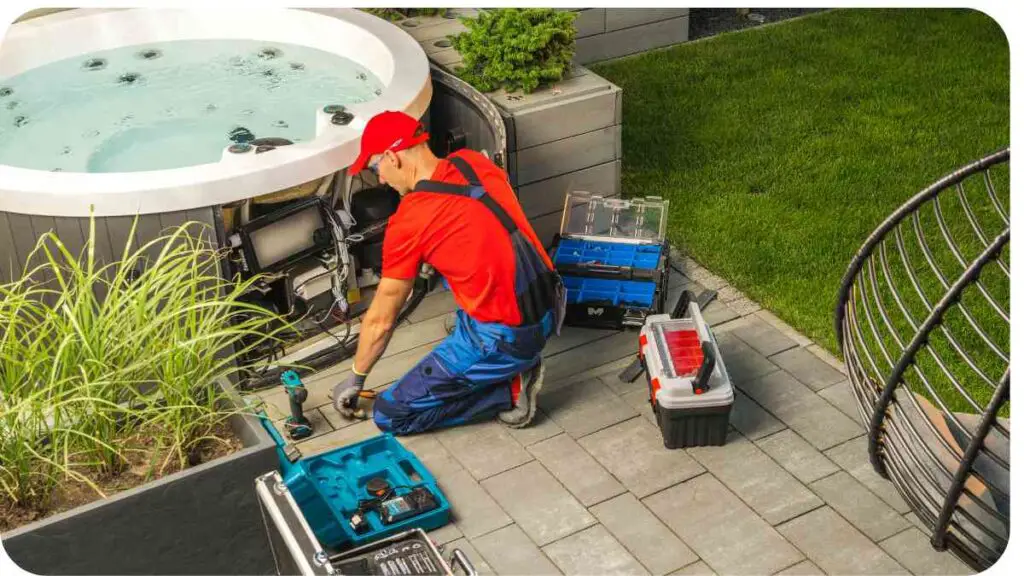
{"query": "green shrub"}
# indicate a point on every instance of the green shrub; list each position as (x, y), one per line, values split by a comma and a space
(100, 364)
(516, 48)
(396, 14)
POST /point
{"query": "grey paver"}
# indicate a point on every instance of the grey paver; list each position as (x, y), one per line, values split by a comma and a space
(750, 419)
(429, 450)
(805, 568)
(702, 275)
(809, 415)
(542, 428)
(485, 449)
(832, 543)
(592, 551)
(576, 470)
(797, 456)
(912, 549)
(611, 380)
(741, 361)
(783, 327)
(585, 407)
(728, 293)
(646, 537)
(852, 456)
(510, 551)
(445, 534)
(635, 453)
(744, 306)
(827, 357)
(473, 509)
(573, 365)
(479, 564)
(762, 336)
(538, 503)
(338, 438)
(841, 396)
(757, 479)
(876, 519)
(695, 569)
(915, 521)
(728, 536)
(807, 368)
(640, 400)
(717, 313)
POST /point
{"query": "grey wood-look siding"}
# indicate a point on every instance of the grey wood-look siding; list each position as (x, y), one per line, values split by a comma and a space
(20, 233)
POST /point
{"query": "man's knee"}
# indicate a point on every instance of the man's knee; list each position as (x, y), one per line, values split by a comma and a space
(392, 417)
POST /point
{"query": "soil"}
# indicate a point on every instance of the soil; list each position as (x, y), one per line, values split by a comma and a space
(74, 494)
(706, 22)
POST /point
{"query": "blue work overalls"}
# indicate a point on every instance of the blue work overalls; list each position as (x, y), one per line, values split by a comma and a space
(467, 377)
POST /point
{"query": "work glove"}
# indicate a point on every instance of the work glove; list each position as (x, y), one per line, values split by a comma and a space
(346, 394)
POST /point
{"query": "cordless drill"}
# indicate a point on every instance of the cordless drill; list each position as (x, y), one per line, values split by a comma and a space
(297, 425)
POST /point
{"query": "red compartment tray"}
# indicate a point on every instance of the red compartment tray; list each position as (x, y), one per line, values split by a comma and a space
(685, 349)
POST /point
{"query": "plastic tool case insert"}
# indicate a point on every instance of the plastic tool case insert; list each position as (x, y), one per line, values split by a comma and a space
(329, 488)
(613, 258)
(691, 392)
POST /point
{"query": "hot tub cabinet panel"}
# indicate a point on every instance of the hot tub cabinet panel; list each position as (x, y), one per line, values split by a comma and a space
(20, 233)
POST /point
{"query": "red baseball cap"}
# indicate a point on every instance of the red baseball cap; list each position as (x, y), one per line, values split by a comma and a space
(388, 131)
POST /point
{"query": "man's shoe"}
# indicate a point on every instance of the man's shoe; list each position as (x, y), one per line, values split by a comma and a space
(525, 407)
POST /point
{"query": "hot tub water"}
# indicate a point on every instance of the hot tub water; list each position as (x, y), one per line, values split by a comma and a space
(169, 104)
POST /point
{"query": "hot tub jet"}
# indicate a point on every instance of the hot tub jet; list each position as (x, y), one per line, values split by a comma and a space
(150, 54)
(93, 64)
(269, 53)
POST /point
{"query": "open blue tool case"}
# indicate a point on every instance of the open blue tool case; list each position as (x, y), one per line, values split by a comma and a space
(614, 260)
(329, 487)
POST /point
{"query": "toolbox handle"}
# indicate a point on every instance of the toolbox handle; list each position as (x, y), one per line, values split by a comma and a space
(600, 270)
(682, 304)
(460, 559)
(701, 382)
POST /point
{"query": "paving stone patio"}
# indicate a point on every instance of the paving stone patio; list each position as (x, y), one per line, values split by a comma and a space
(590, 488)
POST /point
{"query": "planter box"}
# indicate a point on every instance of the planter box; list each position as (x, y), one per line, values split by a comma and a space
(203, 520)
(561, 138)
(605, 33)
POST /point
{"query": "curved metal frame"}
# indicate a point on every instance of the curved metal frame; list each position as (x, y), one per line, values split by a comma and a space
(904, 444)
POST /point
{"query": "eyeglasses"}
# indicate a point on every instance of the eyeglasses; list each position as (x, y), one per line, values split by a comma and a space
(375, 166)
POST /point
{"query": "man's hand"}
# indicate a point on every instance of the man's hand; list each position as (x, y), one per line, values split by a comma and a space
(346, 394)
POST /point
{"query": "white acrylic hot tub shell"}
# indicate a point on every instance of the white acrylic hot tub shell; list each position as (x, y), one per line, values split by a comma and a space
(388, 52)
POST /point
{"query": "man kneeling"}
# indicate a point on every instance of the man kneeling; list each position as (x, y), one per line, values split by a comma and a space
(460, 215)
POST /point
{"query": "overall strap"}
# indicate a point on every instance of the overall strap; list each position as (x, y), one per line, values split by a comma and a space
(538, 288)
(474, 190)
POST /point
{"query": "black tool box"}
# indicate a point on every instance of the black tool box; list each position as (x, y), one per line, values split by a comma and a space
(614, 260)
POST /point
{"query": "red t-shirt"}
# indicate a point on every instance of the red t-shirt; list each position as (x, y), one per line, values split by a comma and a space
(463, 240)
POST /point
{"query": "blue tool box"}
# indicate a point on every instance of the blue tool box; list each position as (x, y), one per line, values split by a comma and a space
(329, 487)
(614, 260)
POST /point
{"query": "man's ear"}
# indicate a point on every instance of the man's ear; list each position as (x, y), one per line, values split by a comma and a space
(394, 158)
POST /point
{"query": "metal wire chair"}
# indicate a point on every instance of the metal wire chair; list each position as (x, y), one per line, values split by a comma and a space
(924, 327)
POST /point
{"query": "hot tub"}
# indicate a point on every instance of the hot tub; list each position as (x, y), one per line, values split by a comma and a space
(36, 199)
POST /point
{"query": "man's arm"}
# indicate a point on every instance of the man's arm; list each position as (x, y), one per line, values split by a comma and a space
(379, 322)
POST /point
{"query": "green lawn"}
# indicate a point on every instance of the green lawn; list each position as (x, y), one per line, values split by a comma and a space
(782, 148)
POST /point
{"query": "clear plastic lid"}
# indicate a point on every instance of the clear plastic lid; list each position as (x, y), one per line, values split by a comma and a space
(637, 220)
